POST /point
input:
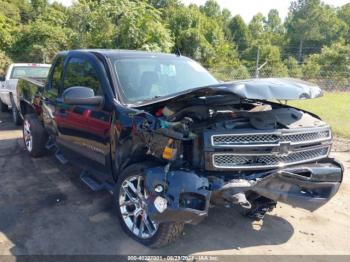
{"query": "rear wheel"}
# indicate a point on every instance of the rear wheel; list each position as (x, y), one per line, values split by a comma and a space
(130, 197)
(3, 107)
(34, 135)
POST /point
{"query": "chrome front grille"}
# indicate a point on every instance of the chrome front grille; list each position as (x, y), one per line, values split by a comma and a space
(307, 137)
(254, 150)
(235, 139)
(271, 160)
(272, 139)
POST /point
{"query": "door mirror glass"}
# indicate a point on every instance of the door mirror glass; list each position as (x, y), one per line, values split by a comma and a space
(2, 78)
(81, 95)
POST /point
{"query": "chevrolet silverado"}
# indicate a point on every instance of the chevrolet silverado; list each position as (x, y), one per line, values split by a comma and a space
(170, 141)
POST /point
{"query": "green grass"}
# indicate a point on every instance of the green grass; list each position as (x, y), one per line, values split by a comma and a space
(333, 108)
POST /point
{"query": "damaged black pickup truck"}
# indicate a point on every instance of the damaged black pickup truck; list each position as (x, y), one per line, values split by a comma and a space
(170, 141)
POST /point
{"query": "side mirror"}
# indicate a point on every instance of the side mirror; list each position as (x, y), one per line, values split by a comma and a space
(2, 78)
(81, 95)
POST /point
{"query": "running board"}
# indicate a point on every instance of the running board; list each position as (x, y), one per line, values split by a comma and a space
(94, 184)
(51, 145)
(60, 157)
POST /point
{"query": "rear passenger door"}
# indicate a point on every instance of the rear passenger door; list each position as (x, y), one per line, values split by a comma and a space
(84, 130)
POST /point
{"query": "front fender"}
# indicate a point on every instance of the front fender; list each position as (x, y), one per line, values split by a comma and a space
(186, 193)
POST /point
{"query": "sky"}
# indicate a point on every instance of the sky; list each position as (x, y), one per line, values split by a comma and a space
(248, 8)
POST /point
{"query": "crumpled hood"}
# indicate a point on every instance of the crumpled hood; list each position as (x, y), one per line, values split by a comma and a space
(275, 89)
(255, 89)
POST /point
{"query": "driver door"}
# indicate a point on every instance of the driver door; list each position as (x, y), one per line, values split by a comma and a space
(83, 130)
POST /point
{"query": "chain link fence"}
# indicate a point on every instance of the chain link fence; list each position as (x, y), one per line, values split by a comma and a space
(331, 80)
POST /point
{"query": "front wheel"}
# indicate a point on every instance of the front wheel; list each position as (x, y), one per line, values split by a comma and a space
(130, 197)
(34, 135)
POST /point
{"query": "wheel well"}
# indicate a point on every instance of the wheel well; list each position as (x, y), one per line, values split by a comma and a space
(132, 160)
(26, 109)
(12, 99)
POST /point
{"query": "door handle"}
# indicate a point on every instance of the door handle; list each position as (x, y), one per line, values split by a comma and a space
(62, 112)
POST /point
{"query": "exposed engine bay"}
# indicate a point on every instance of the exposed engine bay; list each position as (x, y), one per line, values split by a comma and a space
(224, 150)
(198, 131)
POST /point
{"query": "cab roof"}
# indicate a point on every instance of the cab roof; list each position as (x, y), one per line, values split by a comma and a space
(119, 53)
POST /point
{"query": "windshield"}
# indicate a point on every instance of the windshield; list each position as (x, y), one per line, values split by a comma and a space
(147, 78)
(26, 71)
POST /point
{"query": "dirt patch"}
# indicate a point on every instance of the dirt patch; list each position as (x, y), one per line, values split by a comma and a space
(341, 145)
(46, 209)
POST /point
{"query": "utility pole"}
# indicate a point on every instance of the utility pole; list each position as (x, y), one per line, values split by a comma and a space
(257, 63)
(258, 68)
(300, 54)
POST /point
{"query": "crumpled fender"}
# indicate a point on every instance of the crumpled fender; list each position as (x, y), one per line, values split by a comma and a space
(310, 192)
(186, 193)
(307, 186)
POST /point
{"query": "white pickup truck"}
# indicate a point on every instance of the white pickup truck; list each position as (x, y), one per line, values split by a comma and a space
(8, 83)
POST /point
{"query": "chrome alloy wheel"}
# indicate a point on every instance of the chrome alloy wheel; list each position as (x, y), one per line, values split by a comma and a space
(27, 135)
(133, 206)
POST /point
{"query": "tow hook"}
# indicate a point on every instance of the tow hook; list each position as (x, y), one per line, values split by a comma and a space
(260, 207)
(241, 199)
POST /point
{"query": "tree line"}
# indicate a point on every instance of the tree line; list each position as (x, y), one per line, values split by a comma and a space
(313, 39)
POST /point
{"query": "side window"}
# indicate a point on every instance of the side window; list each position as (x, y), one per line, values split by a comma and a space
(80, 72)
(54, 88)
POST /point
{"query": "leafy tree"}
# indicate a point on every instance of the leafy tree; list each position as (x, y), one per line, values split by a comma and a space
(24, 8)
(7, 29)
(294, 69)
(335, 59)
(344, 15)
(229, 73)
(181, 18)
(92, 24)
(226, 14)
(9, 23)
(274, 29)
(39, 6)
(240, 33)
(39, 42)
(164, 3)
(256, 26)
(332, 64)
(211, 9)
(5, 61)
(274, 22)
(314, 33)
(192, 43)
(56, 15)
(9, 10)
(312, 24)
(200, 36)
(268, 54)
(140, 27)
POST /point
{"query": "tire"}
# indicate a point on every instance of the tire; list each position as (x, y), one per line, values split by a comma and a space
(3, 107)
(34, 136)
(17, 120)
(164, 234)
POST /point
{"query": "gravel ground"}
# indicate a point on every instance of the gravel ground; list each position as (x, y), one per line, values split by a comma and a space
(46, 209)
(341, 145)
